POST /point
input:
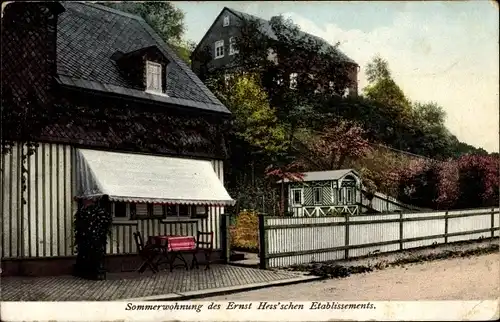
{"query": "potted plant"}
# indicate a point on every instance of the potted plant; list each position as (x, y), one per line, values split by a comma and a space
(92, 226)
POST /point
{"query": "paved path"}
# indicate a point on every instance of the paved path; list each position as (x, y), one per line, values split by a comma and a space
(470, 278)
(177, 284)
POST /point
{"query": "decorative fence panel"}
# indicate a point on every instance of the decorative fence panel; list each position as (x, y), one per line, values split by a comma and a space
(286, 241)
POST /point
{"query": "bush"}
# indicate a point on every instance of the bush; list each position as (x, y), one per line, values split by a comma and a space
(92, 226)
(245, 231)
(470, 181)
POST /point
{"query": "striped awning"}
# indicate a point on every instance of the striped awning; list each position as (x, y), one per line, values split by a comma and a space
(140, 178)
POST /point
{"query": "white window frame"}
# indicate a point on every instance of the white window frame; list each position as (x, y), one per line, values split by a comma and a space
(218, 44)
(320, 201)
(227, 79)
(293, 80)
(126, 214)
(292, 192)
(232, 50)
(149, 88)
(334, 191)
(350, 191)
(225, 21)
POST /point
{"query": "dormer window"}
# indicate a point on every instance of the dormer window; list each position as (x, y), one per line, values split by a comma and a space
(153, 77)
(226, 21)
(145, 68)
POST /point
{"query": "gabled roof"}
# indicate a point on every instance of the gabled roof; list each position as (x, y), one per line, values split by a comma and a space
(88, 36)
(266, 29)
(327, 175)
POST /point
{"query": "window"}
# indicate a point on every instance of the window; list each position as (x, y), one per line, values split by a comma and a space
(226, 21)
(174, 211)
(183, 210)
(133, 211)
(120, 210)
(271, 56)
(153, 77)
(297, 196)
(350, 196)
(317, 195)
(232, 46)
(293, 80)
(170, 211)
(199, 211)
(219, 49)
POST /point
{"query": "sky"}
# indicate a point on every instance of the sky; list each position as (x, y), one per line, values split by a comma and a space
(443, 52)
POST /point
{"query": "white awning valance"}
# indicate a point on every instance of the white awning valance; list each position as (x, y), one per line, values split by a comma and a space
(142, 178)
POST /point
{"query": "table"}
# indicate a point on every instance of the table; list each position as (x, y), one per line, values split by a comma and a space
(174, 247)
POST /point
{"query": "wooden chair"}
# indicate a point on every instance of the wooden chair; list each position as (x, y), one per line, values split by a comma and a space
(205, 245)
(147, 253)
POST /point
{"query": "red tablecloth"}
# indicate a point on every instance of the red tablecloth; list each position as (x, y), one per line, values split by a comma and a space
(178, 243)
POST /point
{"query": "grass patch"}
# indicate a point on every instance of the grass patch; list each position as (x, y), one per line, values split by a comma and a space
(332, 270)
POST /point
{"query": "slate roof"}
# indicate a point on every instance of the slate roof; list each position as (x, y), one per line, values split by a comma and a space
(266, 29)
(327, 175)
(89, 34)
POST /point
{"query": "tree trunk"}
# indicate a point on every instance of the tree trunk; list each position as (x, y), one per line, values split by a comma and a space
(342, 159)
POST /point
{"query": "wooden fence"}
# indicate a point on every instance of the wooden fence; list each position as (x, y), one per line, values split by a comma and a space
(286, 241)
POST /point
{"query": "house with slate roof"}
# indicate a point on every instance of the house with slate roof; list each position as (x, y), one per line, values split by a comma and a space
(221, 37)
(326, 193)
(118, 114)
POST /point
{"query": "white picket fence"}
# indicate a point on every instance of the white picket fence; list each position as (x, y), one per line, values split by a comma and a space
(287, 241)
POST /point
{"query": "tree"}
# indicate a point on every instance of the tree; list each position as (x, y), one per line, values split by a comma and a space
(416, 127)
(281, 173)
(478, 181)
(382, 87)
(184, 50)
(253, 118)
(339, 142)
(379, 168)
(255, 139)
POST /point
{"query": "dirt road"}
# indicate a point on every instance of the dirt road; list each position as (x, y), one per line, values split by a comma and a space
(472, 278)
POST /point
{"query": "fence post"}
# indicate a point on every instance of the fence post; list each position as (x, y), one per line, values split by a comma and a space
(225, 237)
(446, 227)
(346, 251)
(492, 222)
(401, 230)
(263, 243)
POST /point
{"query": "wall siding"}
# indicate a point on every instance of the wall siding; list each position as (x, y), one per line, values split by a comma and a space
(43, 227)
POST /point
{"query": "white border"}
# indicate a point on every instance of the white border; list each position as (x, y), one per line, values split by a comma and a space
(274, 311)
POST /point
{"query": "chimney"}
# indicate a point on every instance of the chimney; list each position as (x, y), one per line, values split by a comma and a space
(29, 39)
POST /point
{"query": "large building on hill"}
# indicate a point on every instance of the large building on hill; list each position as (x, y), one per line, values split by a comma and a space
(222, 34)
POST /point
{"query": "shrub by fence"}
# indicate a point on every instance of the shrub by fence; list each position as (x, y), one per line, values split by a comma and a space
(245, 232)
(288, 241)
